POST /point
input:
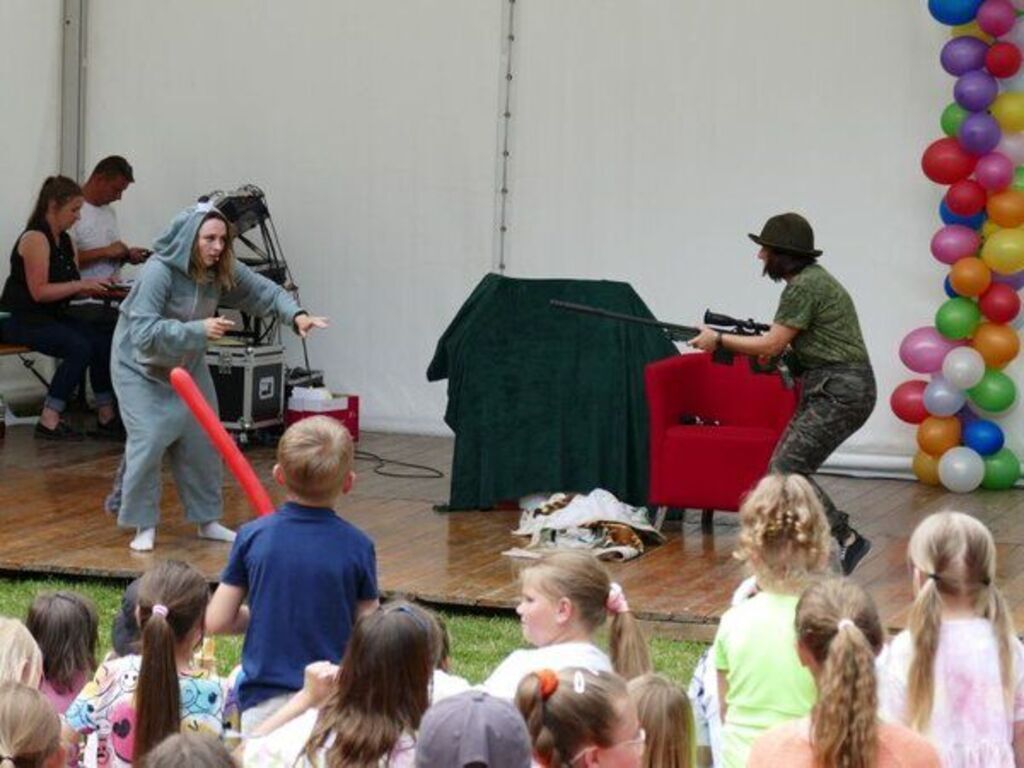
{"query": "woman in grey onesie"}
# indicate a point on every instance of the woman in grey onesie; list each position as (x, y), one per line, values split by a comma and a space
(167, 321)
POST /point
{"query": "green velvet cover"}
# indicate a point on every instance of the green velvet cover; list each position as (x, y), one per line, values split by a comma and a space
(542, 399)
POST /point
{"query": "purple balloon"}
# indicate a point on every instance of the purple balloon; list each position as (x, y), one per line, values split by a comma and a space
(955, 242)
(923, 349)
(994, 171)
(975, 90)
(967, 416)
(962, 55)
(979, 133)
(1015, 280)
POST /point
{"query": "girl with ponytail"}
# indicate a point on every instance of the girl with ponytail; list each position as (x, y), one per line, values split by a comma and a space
(565, 598)
(134, 702)
(956, 674)
(838, 636)
(579, 718)
(784, 540)
(29, 729)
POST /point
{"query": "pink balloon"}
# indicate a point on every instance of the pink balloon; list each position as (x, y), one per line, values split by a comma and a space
(923, 349)
(994, 171)
(996, 17)
(955, 242)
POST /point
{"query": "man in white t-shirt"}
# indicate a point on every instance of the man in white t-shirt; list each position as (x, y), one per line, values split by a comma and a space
(101, 252)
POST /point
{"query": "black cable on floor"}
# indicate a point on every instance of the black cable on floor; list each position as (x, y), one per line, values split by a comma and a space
(426, 473)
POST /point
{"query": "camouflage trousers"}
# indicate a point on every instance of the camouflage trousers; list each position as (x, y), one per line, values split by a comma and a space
(835, 401)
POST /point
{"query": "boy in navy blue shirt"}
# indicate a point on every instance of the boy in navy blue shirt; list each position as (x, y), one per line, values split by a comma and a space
(307, 573)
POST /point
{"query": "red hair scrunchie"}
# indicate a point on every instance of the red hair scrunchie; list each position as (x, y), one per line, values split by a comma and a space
(548, 680)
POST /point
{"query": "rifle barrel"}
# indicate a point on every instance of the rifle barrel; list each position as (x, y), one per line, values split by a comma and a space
(675, 332)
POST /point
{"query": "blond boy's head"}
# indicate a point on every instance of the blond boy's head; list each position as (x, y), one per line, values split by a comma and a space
(314, 460)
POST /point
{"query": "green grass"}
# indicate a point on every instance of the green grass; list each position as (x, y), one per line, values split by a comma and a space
(479, 642)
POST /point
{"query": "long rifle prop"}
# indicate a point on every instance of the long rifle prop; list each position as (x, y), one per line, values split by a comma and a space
(684, 333)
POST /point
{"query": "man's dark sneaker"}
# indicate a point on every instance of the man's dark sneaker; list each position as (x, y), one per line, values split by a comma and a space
(61, 432)
(851, 554)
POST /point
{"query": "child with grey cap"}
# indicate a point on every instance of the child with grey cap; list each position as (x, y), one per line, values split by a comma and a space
(473, 729)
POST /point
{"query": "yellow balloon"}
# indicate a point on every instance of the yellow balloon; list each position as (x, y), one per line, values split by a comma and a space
(1003, 252)
(970, 30)
(926, 468)
(1008, 110)
(989, 228)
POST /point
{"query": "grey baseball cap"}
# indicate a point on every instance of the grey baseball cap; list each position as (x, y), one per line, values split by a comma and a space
(473, 729)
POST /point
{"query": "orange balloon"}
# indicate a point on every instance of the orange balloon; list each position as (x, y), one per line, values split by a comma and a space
(970, 276)
(926, 468)
(1006, 208)
(997, 343)
(937, 434)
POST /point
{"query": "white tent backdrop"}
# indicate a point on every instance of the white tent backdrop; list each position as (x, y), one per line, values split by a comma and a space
(647, 139)
(30, 38)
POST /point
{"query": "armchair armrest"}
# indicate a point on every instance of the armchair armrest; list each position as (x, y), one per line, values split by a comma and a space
(673, 387)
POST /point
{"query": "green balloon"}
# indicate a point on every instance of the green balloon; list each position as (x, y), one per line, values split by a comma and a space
(1002, 469)
(995, 392)
(951, 118)
(1018, 178)
(957, 318)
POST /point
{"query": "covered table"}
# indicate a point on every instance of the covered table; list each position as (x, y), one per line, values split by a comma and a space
(545, 400)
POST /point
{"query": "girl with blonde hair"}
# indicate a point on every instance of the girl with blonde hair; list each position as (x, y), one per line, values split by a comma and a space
(29, 729)
(565, 599)
(838, 635)
(667, 720)
(21, 661)
(784, 540)
(956, 674)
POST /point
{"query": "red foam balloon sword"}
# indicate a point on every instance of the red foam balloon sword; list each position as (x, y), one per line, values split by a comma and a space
(187, 390)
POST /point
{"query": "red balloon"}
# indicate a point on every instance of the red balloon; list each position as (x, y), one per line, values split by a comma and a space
(946, 162)
(1003, 59)
(966, 197)
(907, 401)
(187, 390)
(1000, 303)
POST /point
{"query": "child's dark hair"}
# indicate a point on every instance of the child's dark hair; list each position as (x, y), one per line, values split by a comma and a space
(570, 710)
(196, 750)
(66, 628)
(172, 600)
(382, 692)
(580, 577)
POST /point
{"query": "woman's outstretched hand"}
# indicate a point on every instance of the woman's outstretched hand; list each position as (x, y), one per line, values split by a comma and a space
(216, 327)
(305, 323)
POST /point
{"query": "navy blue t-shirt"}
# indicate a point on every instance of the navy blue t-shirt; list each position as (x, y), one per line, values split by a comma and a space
(304, 569)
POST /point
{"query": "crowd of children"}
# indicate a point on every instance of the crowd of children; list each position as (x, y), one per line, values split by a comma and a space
(800, 672)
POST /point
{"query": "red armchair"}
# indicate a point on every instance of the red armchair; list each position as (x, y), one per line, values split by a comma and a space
(711, 467)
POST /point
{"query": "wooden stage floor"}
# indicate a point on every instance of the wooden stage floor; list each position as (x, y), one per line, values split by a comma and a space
(52, 522)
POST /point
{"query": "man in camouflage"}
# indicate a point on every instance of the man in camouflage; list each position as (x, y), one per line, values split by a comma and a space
(817, 322)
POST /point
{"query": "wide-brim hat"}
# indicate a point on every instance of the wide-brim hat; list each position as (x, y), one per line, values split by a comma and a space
(788, 233)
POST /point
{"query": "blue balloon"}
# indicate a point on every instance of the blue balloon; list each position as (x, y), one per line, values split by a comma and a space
(948, 287)
(948, 217)
(983, 436)
(953, 12)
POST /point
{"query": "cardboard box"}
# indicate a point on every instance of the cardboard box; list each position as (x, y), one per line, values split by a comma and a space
(319, 402)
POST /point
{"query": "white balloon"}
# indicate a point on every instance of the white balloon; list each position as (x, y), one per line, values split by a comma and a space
(1012, 145)
(961, 469)
(963, 367)
(942, 398)
(1016, 33)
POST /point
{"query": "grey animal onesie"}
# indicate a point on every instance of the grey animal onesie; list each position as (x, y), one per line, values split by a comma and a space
(160, 327)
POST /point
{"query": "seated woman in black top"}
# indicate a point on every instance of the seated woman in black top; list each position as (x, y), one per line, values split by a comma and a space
(44, 276)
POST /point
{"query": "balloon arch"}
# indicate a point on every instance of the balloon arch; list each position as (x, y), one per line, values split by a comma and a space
(974, 337)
